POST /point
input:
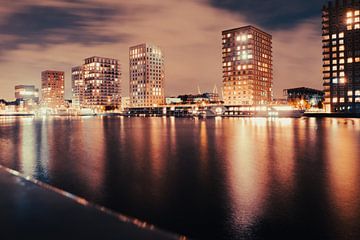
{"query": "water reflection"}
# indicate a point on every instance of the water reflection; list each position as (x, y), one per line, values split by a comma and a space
(209, 179)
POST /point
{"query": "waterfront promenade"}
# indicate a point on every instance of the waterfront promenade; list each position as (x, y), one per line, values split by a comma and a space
(33, 210)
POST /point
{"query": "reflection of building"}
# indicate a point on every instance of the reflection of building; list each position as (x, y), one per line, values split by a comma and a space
(341, 56)
(97, 84)
(52, 89)
(27, 93)
(304, 96)
(147, 75)
(247, 66)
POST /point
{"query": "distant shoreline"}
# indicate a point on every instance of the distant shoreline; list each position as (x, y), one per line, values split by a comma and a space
(309, 115)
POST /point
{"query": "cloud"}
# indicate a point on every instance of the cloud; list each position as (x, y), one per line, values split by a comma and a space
(188, 31)
(298, 56)
(273, 14)
(55, 23)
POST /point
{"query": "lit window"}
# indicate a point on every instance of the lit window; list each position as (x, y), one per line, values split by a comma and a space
(350, 60)
(349, 93)
(349, 27)
(335, 80)
(357, 13)
(334, 100)
(342, 80)
(341, 48)
(342, 74)
(357, 19)
(333, 36)
(349, 21)
(342, 100)
(357, 26)
(341, 35)
(349, 14)
(357, 93)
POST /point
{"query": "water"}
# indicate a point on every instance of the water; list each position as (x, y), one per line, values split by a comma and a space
(207, 179)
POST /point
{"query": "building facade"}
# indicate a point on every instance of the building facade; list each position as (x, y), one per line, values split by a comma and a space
(27, 93)
(341, 56)
(78, 86)
(97, 84)
(52, 88)
(147, 76)
(247, 66)
(304, 97)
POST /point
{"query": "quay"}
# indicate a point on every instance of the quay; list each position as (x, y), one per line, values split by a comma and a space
(214, 110)
(34, 210)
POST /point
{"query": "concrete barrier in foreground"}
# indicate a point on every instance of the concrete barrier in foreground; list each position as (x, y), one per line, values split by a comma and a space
(30, 209)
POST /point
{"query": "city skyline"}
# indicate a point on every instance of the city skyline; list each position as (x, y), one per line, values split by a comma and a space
(195, 31)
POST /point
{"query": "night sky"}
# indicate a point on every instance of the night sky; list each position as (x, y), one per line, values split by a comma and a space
(37, 35)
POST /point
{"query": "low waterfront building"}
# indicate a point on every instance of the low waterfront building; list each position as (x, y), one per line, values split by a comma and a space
(304, 97)
(200, 98)
(28, 96)
(173, 100)
(27, 93)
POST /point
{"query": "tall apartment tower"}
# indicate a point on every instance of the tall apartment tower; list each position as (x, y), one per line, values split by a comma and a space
(97, 84)
(247, 66)
(52, 88)
(341, 56)
(147, 75)
(78, 86)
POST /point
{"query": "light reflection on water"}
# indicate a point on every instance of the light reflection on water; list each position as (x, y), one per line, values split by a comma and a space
(215, 179)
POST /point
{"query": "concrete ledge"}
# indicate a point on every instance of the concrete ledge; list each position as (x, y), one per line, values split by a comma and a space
(332, 115)
(30, 209)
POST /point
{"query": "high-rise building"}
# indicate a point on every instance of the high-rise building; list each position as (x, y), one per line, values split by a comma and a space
(78, 86)
(52, 88)
(27, 93)
(97, 84)
(247, 66)
(341, 56)
(147, 75)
